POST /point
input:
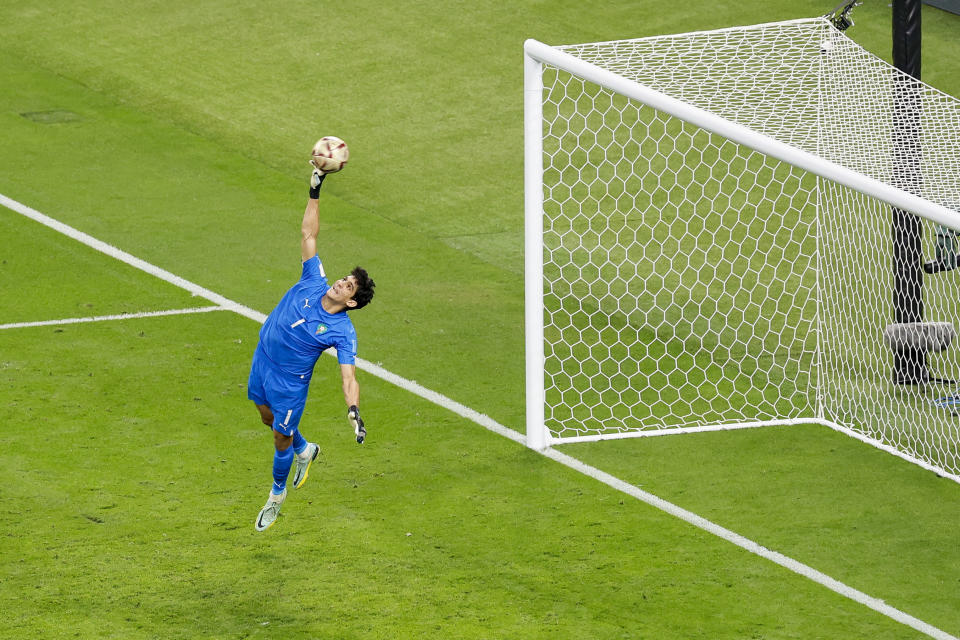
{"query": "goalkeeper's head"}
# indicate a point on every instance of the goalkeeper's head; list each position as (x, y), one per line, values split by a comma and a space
(365, 284)
(353, 292)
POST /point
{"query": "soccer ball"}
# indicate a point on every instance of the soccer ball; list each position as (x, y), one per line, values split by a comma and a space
(330, 154)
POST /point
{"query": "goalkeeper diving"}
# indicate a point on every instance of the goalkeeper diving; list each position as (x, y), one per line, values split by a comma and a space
(310, 318)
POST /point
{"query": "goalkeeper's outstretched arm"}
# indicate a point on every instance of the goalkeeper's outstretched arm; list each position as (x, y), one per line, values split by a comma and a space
(351, 395)
(311, 219)
(351, 388)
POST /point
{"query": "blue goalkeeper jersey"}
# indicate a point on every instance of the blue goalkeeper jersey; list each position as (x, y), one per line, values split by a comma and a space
(298, 330)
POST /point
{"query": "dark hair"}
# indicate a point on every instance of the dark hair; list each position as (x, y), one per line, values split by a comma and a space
(365, 285)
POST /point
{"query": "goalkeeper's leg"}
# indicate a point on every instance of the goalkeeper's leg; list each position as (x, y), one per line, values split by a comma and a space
(286, 409)
(282, 459)
(306, 453)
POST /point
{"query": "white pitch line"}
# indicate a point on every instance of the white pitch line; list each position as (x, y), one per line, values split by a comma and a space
(122, 316)
(488, 423)
(132, 260)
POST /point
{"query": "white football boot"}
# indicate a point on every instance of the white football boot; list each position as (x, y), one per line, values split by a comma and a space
(270, 512)
(302, 464)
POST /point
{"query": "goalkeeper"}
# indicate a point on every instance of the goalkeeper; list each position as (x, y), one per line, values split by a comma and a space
(311, 318)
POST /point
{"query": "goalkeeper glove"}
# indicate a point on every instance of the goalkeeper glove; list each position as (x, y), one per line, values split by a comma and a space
(316, 180)
(353, 415)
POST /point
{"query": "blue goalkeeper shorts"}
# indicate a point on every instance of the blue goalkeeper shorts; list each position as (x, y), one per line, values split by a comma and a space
(285, 394)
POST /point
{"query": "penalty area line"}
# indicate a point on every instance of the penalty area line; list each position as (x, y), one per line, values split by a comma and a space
(121, 316)
(488, 423)
(129, 259)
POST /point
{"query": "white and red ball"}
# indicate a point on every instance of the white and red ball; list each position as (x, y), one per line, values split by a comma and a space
(330, 154)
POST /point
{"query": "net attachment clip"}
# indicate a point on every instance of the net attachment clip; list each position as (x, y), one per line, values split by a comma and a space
(840, 16)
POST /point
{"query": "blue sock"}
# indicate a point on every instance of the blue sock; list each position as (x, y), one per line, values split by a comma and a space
(299, 444)
(281, 469)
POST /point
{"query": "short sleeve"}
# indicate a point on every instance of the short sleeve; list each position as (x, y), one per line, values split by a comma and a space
(313, 270)
(347, 349)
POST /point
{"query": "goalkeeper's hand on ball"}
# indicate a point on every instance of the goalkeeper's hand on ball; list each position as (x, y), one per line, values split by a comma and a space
(316, 180)
(353, 415)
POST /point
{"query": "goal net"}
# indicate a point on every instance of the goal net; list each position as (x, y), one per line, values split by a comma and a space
(730, 229)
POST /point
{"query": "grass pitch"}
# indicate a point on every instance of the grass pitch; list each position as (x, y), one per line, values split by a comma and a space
(139, 520)
(133, 465)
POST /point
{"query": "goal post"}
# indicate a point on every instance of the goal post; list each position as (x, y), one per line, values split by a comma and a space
(533, 250)
(707, 240)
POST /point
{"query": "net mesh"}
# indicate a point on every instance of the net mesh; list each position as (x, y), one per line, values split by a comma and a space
(690, 281)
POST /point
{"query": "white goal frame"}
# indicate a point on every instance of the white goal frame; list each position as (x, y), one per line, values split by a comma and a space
(538, 54)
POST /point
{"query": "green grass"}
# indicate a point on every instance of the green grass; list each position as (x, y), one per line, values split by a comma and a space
(86, 284)
(139, 523)
(133, 465)
(838, 496)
